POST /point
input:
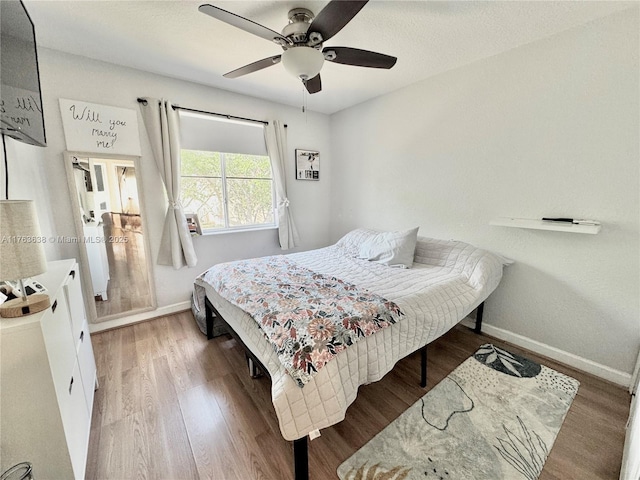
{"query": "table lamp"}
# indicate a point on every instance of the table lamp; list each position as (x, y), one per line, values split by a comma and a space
(21, 255)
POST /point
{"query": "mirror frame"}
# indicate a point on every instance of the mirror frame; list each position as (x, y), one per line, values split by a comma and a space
(87, 285)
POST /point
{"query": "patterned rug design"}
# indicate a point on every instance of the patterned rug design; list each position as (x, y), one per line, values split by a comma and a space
(494, 417)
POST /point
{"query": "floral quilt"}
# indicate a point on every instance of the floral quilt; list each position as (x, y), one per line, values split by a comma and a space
(308, 317)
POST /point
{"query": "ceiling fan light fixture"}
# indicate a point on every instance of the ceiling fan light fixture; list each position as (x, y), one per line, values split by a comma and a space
(302, 62)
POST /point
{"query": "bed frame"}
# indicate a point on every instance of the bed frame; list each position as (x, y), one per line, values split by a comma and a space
(300, 447)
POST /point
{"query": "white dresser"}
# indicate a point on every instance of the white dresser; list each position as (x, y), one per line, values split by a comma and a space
(47, 381)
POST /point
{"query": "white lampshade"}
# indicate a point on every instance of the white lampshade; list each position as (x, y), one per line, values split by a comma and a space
(21, 244)
(302, 62)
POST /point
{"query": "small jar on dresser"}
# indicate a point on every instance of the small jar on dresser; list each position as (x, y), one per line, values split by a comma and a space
(47, 381)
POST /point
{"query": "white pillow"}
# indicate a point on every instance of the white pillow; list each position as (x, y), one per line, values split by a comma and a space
(350, 243)
(395, 249)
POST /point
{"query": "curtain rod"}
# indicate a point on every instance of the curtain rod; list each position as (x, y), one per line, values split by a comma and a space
(178, 107)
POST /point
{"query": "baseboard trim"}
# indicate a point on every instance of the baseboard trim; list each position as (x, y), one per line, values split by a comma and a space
(602, 371)
(139, 317)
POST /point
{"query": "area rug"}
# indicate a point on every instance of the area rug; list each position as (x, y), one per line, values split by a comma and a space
(494, 417)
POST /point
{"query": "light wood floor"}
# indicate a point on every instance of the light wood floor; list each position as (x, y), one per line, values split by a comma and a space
(172, 405)
(128, 286)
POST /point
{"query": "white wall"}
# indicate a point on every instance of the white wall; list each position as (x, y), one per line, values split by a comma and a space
(547, 129)
(26, 182)
(40, 173)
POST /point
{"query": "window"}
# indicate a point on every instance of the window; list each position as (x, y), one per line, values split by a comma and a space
(227, 190)
(226, 174)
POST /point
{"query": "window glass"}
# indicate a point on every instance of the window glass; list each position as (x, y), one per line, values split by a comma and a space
(247, 166)
(250, 201)
(196, 163)
(227, 190)
(204, 196)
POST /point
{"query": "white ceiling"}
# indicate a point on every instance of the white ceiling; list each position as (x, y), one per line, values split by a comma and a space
(173, 38)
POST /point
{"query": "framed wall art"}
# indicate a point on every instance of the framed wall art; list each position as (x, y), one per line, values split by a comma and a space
(307, 165)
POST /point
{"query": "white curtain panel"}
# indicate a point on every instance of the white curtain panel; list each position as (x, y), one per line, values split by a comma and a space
(275, 136)
(162, 123)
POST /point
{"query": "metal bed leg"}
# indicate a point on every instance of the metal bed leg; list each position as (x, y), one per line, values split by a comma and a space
(209, 316)
(479, 313)
(254, 370)
(423, 366)
(301, 459)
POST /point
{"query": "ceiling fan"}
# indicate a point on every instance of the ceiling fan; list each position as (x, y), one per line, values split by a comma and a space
(302, 41)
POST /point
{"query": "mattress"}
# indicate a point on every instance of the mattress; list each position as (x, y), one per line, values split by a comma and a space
(448, 280)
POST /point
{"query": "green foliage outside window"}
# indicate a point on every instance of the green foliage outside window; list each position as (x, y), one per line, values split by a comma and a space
(245, 180)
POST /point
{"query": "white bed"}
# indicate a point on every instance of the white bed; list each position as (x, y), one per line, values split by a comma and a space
(447, 281)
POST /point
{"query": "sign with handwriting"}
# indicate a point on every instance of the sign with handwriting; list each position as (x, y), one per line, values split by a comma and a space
(22, 110)
(95, 128)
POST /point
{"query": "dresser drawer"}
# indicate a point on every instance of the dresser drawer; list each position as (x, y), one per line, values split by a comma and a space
(61, 349)
(76, 422)
(87, 364)
(73, 294)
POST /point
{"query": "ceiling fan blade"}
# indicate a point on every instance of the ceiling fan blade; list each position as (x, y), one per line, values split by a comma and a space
(243, 24)
(253, 67)
(359, 58)
(334, 16)
(313, 85)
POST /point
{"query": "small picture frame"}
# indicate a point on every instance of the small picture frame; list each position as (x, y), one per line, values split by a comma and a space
(193, 222)
(307, 165)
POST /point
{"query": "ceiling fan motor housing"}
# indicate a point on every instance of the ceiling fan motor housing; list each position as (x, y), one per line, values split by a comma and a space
(299, 22)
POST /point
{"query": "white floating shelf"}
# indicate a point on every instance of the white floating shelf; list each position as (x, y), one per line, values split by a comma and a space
(545, 225)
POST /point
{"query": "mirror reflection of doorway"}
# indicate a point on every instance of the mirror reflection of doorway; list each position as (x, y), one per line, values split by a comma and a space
(113, 234)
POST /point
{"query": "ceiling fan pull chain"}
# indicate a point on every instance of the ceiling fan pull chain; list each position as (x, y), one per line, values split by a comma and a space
(304, 100)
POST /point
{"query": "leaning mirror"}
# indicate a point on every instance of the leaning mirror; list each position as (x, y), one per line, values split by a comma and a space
(110, 227)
